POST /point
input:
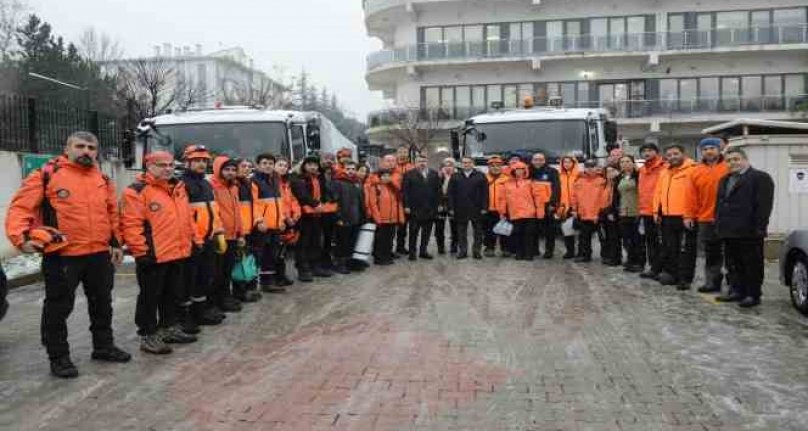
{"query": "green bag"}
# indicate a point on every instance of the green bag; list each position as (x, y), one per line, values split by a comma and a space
(245, 270)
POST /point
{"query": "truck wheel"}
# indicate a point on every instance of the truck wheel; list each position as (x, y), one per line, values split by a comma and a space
(799, 284)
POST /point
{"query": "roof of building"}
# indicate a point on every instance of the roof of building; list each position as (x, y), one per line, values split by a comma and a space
(536, 114)
(754, 126)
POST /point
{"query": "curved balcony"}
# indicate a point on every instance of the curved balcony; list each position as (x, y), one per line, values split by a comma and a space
(630, 44)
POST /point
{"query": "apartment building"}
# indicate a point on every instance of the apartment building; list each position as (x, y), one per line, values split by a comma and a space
(664, 69)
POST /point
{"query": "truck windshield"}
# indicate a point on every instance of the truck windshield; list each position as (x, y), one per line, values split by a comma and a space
(555, 138)
(234, 139)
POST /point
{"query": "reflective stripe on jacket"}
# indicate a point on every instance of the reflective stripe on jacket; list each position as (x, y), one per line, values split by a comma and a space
(203, 206)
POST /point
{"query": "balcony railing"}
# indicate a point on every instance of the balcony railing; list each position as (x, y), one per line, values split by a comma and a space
(629, 42)
(619, 109)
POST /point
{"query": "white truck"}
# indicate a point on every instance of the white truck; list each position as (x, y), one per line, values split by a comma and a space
(555, 131)
(242, 132)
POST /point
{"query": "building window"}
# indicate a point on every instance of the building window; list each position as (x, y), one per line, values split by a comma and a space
(474, 38)
(730, 93)
(790, 25)
(478, 99)
(773, 93)
(795, 89)
(751, 91)
(494, 94)
(709, 94)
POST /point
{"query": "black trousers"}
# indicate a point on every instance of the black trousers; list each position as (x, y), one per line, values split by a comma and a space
(63, 274)
(609, 237)
(222, 277)
(329, 223)
(490, 238)
(678, 255)
(713, 255)
(440, 232)
(523, 238)
(547, 229)
(422, 227)
(631, 240)
(745, 263)
(401, 234)
(266, 248)
(346, 241)
(383, 242)
(156, 296)
(585, 233)
(463, 234)
(651, 244)
(309, 250)
(201, 270)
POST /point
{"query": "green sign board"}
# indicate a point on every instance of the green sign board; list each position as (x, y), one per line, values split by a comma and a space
(32, 162)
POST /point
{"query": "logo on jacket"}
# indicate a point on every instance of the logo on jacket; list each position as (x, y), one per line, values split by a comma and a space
(63, 193)
(154, 207)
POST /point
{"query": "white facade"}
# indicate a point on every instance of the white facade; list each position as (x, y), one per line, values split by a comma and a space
(664, 69)
(227, 76)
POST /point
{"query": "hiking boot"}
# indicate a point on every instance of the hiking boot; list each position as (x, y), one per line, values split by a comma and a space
(187, 323)
(231, 305)
(441, 249)
(402, 251)
(322, 273)
(749, 302)
(709, 289)
(507, 254)
(650, 275)
(547, 255)
(342, 269)
(283, 281)
(477, 255)
(582, 259)
(248, 296)
(155, 345)
(426, 256)
(305, 276)
(110, 354)
(568, 255)
(683, 286)
(175, 335)
(489, 252)
(462, 255)
(63, 368)
(633, 268)
(208, 317)
(666, 279)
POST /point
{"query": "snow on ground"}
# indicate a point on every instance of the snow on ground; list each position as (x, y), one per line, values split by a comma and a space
(22, 265)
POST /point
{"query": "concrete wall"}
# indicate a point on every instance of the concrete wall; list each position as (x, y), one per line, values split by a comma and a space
(11, 178)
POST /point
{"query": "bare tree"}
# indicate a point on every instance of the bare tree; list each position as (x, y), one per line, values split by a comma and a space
(414, 128)
(99, 47)
(11, 14)
(152, 86)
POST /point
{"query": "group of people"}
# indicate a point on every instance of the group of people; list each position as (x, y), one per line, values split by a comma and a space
(191, 234)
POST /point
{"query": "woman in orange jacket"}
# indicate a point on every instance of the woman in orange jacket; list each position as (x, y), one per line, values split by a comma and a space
(567, 175)
(496, 178)
(386, 211)
(522, 202)
(587, 202)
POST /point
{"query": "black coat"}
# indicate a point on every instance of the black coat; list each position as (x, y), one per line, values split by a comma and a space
(350, 197)
(745, 211)
(421, 195)
(468, 196)
(303, 191)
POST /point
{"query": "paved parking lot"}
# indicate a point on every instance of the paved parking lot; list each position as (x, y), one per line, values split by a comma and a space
(491, 345)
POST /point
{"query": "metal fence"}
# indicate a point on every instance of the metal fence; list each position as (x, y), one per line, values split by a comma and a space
(38, 125)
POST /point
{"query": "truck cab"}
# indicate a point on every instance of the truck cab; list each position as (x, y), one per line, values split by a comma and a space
(241, 132)
(555, 131)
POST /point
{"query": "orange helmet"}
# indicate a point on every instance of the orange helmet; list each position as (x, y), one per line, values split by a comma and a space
(196, 152)
(47, 239)
(290, 236)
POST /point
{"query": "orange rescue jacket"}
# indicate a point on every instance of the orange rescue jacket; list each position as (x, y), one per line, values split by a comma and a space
(649, 176)
(705, 179)
(383, 203)
(156, 219)
(226, 197)
(523, 198)
(80, 202)
(675, 194)
(567, 181)
(589, 196)
(495, 189)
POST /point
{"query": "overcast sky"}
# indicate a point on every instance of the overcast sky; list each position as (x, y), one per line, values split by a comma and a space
(327, 37)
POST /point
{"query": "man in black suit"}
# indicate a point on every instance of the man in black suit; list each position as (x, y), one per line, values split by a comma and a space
(743, 207)
(421, 199)
(468, 203)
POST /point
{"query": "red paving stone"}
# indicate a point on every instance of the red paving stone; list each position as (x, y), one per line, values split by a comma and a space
(362, 375)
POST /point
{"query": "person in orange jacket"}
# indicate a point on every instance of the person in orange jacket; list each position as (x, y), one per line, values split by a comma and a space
(158, 230)
(225, 191)
(207, 225)
(587, 202)
(649, 230)
(401, 164)
(706, 177)
(496, 178)
(568, 174)
(387, 211)
(522, 202)
(292, 213)
(247, 292)
(71, 194)
(311, 191)
(675, 209)
(270, 222)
